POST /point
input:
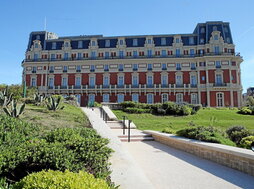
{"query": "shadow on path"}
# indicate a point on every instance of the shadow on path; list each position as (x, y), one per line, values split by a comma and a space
(230, 175)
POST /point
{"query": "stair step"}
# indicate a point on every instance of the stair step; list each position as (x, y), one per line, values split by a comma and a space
(137, 139)
(136, 136)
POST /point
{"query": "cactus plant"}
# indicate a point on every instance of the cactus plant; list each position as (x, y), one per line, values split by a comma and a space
(14, 111)
(38, 98)
(53, 103)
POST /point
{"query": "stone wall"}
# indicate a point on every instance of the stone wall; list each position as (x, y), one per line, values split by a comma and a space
(236, 158)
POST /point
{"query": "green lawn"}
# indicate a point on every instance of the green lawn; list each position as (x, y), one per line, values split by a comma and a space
(70, 116)
(222, 118)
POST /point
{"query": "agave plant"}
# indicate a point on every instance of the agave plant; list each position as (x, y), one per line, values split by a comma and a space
(5, 97)
(53, 103)
(14, 110)
(38, 98)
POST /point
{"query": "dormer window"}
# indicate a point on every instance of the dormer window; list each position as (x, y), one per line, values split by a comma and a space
(177, 40)
(93, 43)
(202, 30)
(228, 40)
(36, 45)
(202, 40)
(225, 29)
(38, 37)
(149, 41)
(135, 42)
(107, 43)
(216, 37)
(163, 41)
(80, 44)
(66, 44)
(53, 45)
(191, 40)
(121, 42)
(215, 28)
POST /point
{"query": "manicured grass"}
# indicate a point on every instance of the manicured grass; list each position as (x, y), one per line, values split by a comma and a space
(221, 118)
(70, 116)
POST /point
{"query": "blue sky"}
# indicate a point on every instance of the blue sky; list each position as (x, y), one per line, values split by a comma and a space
(119, 17)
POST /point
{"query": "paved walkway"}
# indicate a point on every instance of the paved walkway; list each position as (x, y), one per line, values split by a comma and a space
(165, 167)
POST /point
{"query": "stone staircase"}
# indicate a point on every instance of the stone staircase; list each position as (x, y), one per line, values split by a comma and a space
(135, 134)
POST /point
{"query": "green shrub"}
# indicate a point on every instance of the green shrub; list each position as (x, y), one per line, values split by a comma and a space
(236, 133)
(245, 110)
(186, 110)
(168, 130)
(247, 141)
(161, 111)
(128, 104)
(27, 100)
(207, 134)
(72, 149)
(61, 180)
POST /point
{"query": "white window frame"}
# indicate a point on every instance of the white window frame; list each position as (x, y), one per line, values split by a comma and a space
(149, 80)
(120, 78)
(150, 98)
(135, 97)
(220, 99)
(179, 98)
(105, 98)
(33, 82)
(106, 81)
(80, 44)
(64, 81)
(135, 42)
(133, 79)
(51, 82)
(92, 78)
(78, 81)
(164, 97)
(120, 97)
(194, 98)
(107, 43)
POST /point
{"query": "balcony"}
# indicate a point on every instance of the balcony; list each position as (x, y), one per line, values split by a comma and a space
(78, 70)
(63, 87)
(149, 69)
(105, 86)
(150, 86)
(91, 86)
(77, 87)
(120, 86)
(179, 85)
(193, 85)
(33, 71)
(220, 84)
(64, 71)
(51, 71)
(135, 86)
(132, 57)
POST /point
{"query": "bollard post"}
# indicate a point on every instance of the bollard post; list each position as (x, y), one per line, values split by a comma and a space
(129, 131)
(101, 112)
(123, 125)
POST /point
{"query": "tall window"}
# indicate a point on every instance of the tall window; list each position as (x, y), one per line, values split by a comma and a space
(106, 68)
(107, 43)
(149, 98)
(135, 42)
(51, 82)
(121, 42)
(193, 66)
(93, 55)
(149, 67)
(163, 53)
(218, 79)
(177, 40)
(92, 81)
(78, 68)
(135, 81)
(178, 66)
(150, 81)
(34, 69)
(120, 81)
(36, 56)
(179, 98)
(121, 54)
(216, 50)
(120, 98)
(178, 52)
(66, 55)
(53, 56)
(79, 56)
(192, 52)
(66, 44)
(93, 43)
(193, 81)
(91, 98)
(164, 97)
(163, 41)
(134, 97)
(164, 66)
(220, 100)
(51, 69)
(179, 80)
(33, 82)
(78, 81)
(120, 68)
(164, 80)
(191, 40)
(53, 46)
(105, 98)
(194, 99)
(106, 81)
(149, 53)
(149, 41)
(106, 55)
(216, 37)
(218, 64)
(92, 68)
(135, 67)
(64, 82)
(135, 54)
(80, 44)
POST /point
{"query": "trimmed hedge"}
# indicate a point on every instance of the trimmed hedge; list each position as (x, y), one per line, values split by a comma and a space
(167, 108)
(236, 133)
(207, 134)
(246, 142)
(61, 180)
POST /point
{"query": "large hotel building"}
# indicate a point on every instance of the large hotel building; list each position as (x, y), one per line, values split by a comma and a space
(199, 68)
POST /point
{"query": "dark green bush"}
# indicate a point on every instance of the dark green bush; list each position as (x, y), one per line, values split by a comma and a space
(245, 110)
(72, 149)
(128, 104)
(236, 133)
(186, 110)
(207, 134)
(61, 180)
(161, 111)
(246, 142)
